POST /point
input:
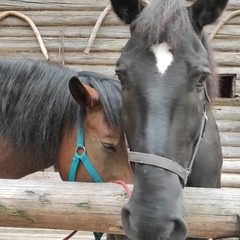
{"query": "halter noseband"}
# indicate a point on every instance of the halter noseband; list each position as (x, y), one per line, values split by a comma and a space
(168, 164)
(82, 158)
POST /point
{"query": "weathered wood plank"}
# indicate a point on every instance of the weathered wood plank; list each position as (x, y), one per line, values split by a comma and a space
(227, 58)
(225, 32)
(52, 44)
(43, 5)
(228, 126)
(227, 113)
(230, 139)
(10, 44)
(66, 31)
(231, 152)
(231, 166)
(230, 180)
(61, 18)
(232, 4)
(227, 45)
(223, 102)
(70, 205)
(75, 4)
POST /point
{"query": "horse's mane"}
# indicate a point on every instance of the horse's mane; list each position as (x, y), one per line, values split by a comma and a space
(35, 103)
(166, 24)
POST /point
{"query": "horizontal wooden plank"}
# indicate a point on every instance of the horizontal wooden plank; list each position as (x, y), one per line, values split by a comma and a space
(227, 58)
(231, 166)
(227, 31)
(223, 102)
(66, 31)
(52, 44)
(228, 126)
(74, 4)
(225, 45)
(231, 139)
(44, 5)
(232, 4)
(61, 18)
(41, 204)
(230, 180)
(227, 113)
(231, 152)
(79, 58)
(30, 44)
(228, 69)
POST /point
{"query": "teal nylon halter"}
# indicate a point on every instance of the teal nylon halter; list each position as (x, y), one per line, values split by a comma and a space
(82, 158)
(88, 165)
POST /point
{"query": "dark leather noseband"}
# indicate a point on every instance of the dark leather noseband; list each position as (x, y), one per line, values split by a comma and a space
(168, 164)
(158, 161)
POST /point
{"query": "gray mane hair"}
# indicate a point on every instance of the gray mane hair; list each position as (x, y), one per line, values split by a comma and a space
(165, 25)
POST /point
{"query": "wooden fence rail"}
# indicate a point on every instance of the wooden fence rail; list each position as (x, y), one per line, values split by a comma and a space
(211, 213)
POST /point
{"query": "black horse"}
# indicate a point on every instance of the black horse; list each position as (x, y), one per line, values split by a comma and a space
(169, 81)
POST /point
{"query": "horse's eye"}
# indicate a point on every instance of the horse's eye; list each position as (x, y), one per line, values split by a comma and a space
(202, 80)
(109, 147)
(204, 77)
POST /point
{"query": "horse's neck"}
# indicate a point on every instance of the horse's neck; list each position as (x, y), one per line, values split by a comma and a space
(66, 152)
(16, 163)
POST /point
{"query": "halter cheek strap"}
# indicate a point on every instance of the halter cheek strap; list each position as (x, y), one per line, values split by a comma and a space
(88, 165)
(82, 158)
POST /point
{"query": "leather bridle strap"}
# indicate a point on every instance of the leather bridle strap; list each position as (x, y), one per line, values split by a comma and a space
(158, 161)
(168, 164)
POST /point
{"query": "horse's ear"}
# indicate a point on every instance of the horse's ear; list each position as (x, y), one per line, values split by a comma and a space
(204, 12)
(83, 94)
(128, 10)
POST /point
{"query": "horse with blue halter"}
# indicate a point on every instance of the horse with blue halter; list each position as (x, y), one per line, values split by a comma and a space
(169, 82)
(41, 124)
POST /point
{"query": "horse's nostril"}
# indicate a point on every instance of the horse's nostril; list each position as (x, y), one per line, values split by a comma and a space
(126, 213)
(127, 223)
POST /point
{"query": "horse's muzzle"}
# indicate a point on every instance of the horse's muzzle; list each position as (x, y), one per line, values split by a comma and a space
(155, 210)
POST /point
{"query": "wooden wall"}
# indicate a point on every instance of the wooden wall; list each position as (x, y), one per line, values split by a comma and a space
(66, 25)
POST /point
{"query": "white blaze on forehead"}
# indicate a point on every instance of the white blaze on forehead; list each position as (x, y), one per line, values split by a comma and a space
(163, 56)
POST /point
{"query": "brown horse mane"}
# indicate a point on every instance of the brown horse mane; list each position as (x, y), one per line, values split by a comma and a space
(36, 103)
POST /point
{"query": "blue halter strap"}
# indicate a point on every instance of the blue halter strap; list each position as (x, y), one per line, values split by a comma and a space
(82, 158)
(88, 165)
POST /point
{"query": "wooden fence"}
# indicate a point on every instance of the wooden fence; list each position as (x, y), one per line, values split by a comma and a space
(96, 207)
(66, 27)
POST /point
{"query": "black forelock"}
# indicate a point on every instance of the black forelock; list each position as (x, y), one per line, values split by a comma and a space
(163, 21)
